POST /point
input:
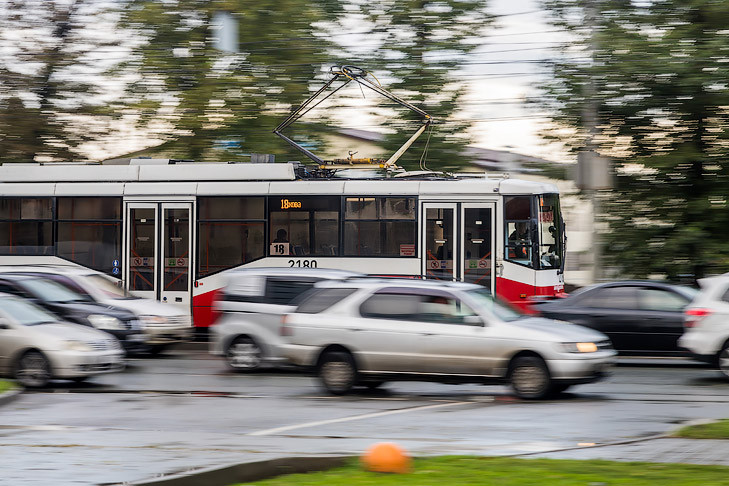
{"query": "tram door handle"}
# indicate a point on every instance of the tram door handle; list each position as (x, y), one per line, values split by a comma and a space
(499, 269)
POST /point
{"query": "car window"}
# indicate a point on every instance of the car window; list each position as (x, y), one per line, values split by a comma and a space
(486, 300)
(319, 300)
(661, 300)
(442, 308)
(24, 312)
(612, 298)
(52, 292)
(283, 291)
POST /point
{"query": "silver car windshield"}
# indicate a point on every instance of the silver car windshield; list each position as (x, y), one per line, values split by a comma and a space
(24, 312)
(108, 287)
(485, 300)
(53, 292)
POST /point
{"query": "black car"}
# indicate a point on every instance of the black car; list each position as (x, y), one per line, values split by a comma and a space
(78, 308)
(640, 317)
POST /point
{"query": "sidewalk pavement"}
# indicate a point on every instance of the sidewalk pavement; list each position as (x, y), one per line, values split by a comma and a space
(658, 449)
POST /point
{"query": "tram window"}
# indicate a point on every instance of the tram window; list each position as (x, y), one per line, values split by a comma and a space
(304, 226)
(89, 208)
(518, 230)
(26, 226)
(379, 226)
(230, 232)
(89, 231)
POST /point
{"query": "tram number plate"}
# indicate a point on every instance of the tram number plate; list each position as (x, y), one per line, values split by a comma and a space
(303, 263)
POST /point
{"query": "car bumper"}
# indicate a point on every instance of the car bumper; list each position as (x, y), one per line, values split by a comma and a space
(298, 354)
(167, 335)
(702, 344)
(71, 364)
(583, 370)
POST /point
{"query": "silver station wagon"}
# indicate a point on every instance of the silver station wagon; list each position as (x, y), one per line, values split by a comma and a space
(366, 331)
(36, 346)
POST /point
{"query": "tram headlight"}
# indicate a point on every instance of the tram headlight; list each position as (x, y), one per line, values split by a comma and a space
(578, 347)
(100, 321)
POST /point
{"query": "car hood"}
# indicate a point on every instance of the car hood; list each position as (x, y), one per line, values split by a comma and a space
(146, 307)
(557, 331)
(67, 331)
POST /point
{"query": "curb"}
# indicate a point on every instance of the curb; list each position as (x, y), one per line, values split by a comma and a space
(10, 395)
(246, 472)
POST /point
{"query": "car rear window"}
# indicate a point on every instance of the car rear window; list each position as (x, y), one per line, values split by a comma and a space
(283, 292)
(319, 300)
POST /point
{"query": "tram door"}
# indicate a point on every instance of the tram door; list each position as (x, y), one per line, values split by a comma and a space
(158, 248)
(458, 242)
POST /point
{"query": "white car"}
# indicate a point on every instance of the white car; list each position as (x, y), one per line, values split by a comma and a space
(369, 331)
(36, 347)
(251, 305)
(162, 324)
(706, 324)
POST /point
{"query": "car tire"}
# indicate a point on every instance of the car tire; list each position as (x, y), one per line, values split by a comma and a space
(337, 372)
(529, 377)
(33, 370)
(244, 354)
(722, 360)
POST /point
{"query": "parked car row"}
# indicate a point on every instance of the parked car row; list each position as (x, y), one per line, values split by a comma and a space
(71, 323)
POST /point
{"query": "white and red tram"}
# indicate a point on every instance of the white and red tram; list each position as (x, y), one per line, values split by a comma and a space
(168, 229)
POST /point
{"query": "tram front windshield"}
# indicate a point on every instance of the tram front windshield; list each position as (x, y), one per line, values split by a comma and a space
(551, 232)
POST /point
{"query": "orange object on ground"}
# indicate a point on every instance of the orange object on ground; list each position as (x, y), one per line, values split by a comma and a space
(386, 457)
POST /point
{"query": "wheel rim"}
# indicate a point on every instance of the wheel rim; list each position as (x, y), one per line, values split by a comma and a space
(337, 375)
(724, 361)
(244, 355)
(529, 379)
(33, 370)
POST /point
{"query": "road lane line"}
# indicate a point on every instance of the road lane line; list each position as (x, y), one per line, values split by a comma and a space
(355, 417)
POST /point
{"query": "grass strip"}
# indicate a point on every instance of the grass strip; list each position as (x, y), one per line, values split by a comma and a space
(498, 471)
(6, 385)
(714, 430)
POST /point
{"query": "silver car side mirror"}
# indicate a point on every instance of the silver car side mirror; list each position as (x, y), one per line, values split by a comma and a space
(473, 321)
(4, 324)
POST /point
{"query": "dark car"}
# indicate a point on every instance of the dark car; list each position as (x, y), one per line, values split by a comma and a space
(640, 317)
(77, 308)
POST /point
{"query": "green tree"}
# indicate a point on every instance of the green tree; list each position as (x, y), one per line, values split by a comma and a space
(653, 74)
(425, 44)
(51, 78)
(206, 96)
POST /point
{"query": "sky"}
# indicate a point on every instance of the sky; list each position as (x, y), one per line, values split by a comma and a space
(499, 98)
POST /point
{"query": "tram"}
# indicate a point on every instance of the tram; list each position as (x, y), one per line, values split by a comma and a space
(169, 229)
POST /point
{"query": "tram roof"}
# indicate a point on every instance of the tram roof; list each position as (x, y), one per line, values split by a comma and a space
(144, 177)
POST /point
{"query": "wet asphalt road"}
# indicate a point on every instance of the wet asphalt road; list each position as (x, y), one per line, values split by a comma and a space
(186, 411)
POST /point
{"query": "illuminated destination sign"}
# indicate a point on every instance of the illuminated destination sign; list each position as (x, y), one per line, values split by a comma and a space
(286, 204)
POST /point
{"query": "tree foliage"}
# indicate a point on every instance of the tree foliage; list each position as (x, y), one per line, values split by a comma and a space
(211, 98)
(51, 78)
(655, 74)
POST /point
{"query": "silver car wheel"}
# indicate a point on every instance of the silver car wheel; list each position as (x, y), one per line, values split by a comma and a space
(244, 354)
(530, 377)
(337, 372)
(33, 370)
(724, 360)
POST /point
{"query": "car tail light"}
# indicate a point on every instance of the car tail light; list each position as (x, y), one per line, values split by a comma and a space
(285, 330)
(692, 317)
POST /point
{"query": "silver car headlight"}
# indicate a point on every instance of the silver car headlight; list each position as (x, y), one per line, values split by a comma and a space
(153, 320)
(586, 347)
(100, 321)
(76, 346)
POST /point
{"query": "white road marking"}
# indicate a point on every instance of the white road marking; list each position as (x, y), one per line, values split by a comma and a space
(356, 417)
